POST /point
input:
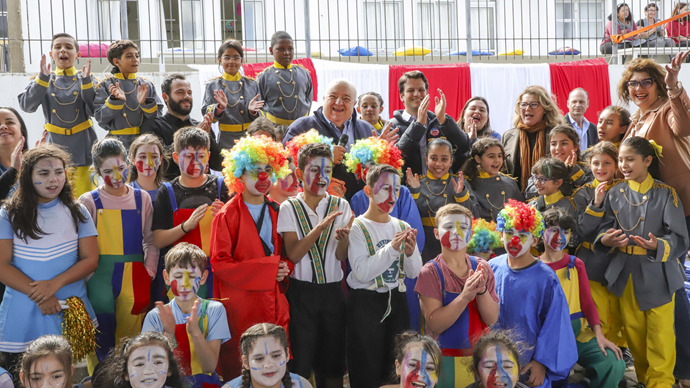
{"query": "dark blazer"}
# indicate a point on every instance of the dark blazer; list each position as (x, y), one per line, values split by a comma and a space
(592, 137)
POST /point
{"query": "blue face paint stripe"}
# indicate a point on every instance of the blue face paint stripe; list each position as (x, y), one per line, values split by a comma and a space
(266, 348)
(148, 356)
(504, 374)
(323, 171)
(423, 372)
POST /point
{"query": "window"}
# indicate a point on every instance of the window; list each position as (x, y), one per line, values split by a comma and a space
(3, 20)
(192, 32)
(581, 19)
(253, 23)
(110, 19)
(483, 21)
(377, 35)
(437, 24)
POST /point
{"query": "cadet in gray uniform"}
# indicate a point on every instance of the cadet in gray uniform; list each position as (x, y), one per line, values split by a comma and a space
(286, 88)
(233, 98)
(67, 98)
(124, 100)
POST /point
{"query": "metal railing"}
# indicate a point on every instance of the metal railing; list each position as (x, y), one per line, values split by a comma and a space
(184, 32)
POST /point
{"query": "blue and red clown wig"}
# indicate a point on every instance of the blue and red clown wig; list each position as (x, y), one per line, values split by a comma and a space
(311, 136)
(372, 151)
(251, 150)
(485, 237)
(521, 217)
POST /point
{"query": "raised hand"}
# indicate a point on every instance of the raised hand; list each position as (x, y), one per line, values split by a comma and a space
(344, 233)
(193, 221)
(391, 136)
(472, 130)
(412, 179)
(410, 241)
(116, 92)
(328, 219)
(255, 105)
(205, 124)
(142, 93)
(216, 206)
(193, 320)
(166, 316)
(673, 69)
(17, 153)
(458, 184)
(221, 100)
(423, 108)
(599, 194)
(571, 160)
(45, 65)
(440, 107)
(86, 70)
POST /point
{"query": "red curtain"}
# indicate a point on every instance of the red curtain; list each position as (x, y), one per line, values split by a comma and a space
(253, 69)
(591, 75)
(452, 78)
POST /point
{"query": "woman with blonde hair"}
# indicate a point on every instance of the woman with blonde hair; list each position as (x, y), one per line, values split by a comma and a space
(535, 114)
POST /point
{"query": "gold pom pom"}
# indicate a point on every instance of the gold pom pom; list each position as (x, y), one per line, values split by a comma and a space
(78, 328)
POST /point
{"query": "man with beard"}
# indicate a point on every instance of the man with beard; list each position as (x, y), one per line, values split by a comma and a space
(177, 95)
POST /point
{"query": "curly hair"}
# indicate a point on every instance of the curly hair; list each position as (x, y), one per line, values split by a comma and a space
(371, 151)
(552, 115)
(250, 150)
(485, 237)
(642, 65)
(521, 217)
(311, 136)
(471, 167)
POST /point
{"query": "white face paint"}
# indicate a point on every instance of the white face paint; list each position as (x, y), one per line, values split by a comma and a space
(193, 162)
(114, 171)
(46, 372)
(517, 243)
(455, 231)
(258, 179)
(386, 191)
(147, 367)
(418, 369)
(48, 177)
(185, 282)
(557, 238)
(317, 175)
(267, 362)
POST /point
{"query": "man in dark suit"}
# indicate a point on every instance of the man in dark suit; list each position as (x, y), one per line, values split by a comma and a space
(578, 102)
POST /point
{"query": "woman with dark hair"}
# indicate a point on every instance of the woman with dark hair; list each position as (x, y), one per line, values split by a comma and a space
(474, 119)
(624, 24)
(679, 30)
(12, 144)
(656, 37)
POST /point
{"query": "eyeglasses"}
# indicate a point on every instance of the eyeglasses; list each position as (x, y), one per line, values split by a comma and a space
(533, 105)
(236, 58)
(645, 83)
(541, 179)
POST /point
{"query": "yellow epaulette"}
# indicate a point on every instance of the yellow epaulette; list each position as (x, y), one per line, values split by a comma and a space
(144, 79)
(586, 185)
(212, 79)
(107, 77)
(507, 176)
(33, 77)
(572, 202)
(302, 66)
(660, 185)
(249, 78)
(264, 70)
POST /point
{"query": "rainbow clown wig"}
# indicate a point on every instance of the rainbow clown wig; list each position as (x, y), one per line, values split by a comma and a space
(485, 237)
(250, 150)
(299, 141)
(372, 151)
(521, 217)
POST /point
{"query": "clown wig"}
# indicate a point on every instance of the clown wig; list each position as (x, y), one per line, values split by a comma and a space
(485, 237)
(311, 136)
(372, 151)
(250, 150)
(521, 217)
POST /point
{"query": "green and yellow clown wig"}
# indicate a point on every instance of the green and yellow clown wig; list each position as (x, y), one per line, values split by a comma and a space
(248, 151)
(309, 137)
(521, 217)
(370, 152)
(485, 237)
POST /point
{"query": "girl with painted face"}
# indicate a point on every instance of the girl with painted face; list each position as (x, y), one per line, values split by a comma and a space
(128, 258)
(594, 350)
(457, 295)
(264, 349)
(148, 164)
(549, 175)
(417, 360)
(532, 301)
(496, 362)
(49, 246)
(47, 363)
(487, 182)
(642, 230)
(439, 187)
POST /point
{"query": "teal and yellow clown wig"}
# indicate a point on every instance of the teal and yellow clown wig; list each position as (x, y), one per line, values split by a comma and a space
(521, 217)
(309, 137)
(251, 150)
(485, 237)
(370, 152)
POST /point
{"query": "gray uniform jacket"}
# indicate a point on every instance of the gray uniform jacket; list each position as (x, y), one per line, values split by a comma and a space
(492, 193)
(652, 208)
(67, 100)
(287, 93)
(543, 204)
(578, 175)
(235, 119)
(123, 119)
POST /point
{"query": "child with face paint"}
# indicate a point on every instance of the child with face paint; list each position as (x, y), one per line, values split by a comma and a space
(335, 186)
(198, 326)
(439, 187)
(49, 246)
(246, 247)
(372, 151)
(548, 175)
(603, 161)
(382, 252)
(417, 360)
(186, 206)
(496, 361)
(264, 349)
(315, 228)
(119, 289)
(594, 350)
(47, 362)
(144, 361)
(148, 164)
(641, 230)
(488, 185)
(457, 295)
(485, 239)
(532, 302)
(287, 187)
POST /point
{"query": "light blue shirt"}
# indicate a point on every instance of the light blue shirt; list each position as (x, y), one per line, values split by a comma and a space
(581, 131)
(266, 233)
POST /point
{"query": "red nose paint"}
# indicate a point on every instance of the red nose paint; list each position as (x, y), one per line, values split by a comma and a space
(515, 240)
(263, 176)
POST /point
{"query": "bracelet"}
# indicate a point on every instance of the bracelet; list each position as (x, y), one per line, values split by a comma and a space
(486, 288)
(182, 227)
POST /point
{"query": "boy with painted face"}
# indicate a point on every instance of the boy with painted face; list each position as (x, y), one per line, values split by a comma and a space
(185, 207)
(456, 294)
(315, 227)
(246, 247)
(198, 326)
(382, 252)
(532, 302)
(594, 350)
